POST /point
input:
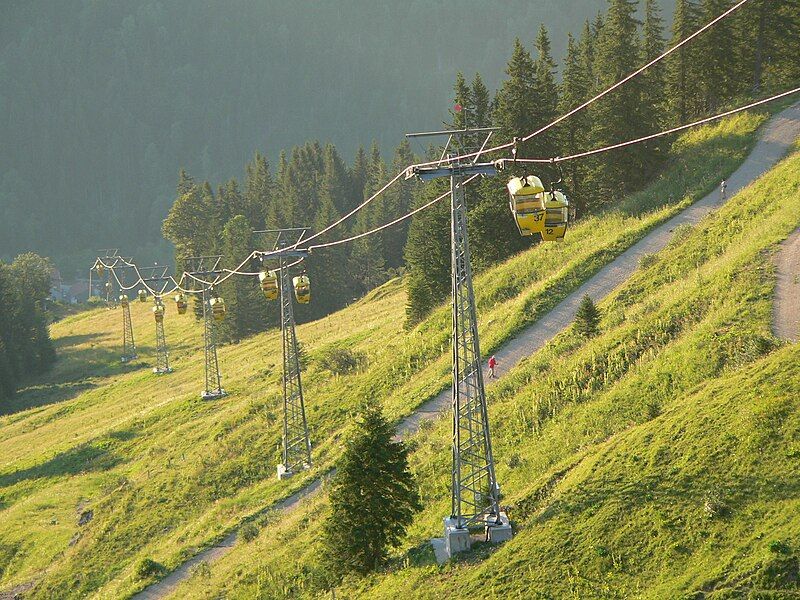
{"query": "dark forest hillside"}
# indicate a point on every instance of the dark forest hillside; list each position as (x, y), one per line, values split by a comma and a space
(101, 103)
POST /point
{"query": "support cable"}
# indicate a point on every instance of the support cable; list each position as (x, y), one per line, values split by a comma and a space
(474, 155)
(654, 135)
(580, 107)
(391, 223)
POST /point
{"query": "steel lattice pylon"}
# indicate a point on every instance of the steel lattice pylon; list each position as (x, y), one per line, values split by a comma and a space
(474, 487)
(128, 345)
(213, 388)
(475, 493)
(296, 443)
(162, 353)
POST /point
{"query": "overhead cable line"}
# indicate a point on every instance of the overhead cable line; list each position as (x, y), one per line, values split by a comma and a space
(653, 135)
(391, 223)
(621, 82)
(504, 161)
(475, 155)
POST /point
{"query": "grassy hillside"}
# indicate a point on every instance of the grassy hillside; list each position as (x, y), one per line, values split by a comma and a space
(655, 461)
(165, 473)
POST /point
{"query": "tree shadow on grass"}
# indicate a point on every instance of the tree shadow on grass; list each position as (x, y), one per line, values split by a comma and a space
(73, 374)
(94, 456)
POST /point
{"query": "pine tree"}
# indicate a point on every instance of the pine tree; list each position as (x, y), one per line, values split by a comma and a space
(25, 346)
(652, 111)
(572, 131)
(587, 318)
(276, 213)
(190, 225)
(246, 310)
(358, 179)
(328, 267)
(259, 191)
(229, 202)
(368, 257)
(185, 183)
(462, 96)
(766, 34)
(546, 93)
(681, 68)
(427, 253)
(616, 117)
(335, 181)
(399, 198)
(481, 103)
(781, 23)
(516, 104)
(373, 498)
(715, 57)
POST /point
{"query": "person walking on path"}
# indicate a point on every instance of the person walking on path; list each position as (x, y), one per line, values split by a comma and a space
(492, 365)
(722, 188)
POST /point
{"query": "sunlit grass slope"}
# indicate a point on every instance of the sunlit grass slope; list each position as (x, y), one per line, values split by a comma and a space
(657, 460)
(166, 473)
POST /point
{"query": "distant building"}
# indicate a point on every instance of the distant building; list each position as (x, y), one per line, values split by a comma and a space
(71, 292)
(56, 285)
(79, 292)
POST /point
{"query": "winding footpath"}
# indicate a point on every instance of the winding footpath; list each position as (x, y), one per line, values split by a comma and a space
(786, 310)
(774, 142)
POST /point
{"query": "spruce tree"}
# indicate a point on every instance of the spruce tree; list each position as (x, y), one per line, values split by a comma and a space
(546, 94)
(462, 97)
(399, 198)
(335, 181)
(616, 117)
(652, 113)
(246, 309)
(681, 68)
(481, 103)
(572, 131)
(368, 258)
(327, 268)
(715, 57)
(427, 253)
(259, 191)
(516, 103)
(358, 179)
(587, 318)
(373, 498)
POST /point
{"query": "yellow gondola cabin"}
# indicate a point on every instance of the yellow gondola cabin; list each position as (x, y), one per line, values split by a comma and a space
(142, 296)
(180, 302)
(158, 313)
(217, 306)
(302, 289)
(269, 284)
(556, 217)
(526, 203)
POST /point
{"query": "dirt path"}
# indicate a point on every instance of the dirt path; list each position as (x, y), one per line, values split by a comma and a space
(166, 586)
(786, 310)
(775, 140)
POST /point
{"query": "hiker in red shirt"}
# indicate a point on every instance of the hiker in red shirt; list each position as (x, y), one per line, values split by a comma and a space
(492, 365)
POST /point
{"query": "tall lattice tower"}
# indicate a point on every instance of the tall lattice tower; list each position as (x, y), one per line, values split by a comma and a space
(213, 387)
(162, 353)
(474, 488)
(128, 344)
(296, 442)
